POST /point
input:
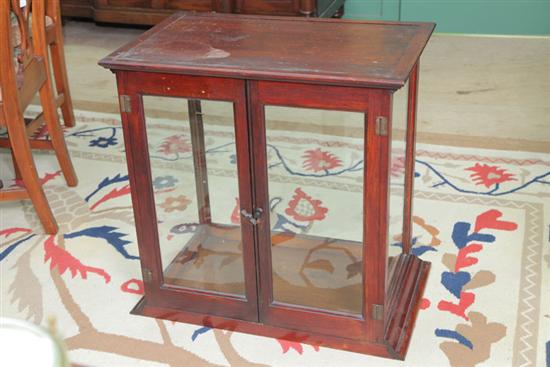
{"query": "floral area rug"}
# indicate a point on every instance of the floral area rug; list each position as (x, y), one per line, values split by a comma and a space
(481, 219)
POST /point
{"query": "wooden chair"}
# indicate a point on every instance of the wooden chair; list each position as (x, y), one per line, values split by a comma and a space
(54, 40)
(21, 77)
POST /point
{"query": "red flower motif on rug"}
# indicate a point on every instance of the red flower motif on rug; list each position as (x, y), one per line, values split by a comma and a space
(133, 286)
(297, 346)
(235, 215)
(175, 144)
(489, 175)
(63, 260)
(316, 160)
(397, 168)
(43, 180)
(303, 207)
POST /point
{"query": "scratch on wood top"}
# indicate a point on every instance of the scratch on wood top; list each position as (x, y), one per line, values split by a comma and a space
(216, 53)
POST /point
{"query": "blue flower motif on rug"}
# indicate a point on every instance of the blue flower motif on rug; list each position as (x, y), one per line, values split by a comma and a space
(478, 334)
(164, 182)
(102, 142)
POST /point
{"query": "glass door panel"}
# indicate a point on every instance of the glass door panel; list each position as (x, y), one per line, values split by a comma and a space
(195, 181)
(315, 181)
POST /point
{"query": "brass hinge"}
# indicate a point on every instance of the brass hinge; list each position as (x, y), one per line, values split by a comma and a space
(147, 275)
(377, 312)
(125, 103)
(381, 126)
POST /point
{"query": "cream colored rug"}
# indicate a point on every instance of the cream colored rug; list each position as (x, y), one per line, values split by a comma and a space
(481, 218)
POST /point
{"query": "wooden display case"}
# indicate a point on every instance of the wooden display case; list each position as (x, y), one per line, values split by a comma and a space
(219, 253)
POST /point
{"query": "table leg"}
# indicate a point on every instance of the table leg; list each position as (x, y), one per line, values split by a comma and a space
(199, 160)
(339, 13)
(307, 8)
(409, 159)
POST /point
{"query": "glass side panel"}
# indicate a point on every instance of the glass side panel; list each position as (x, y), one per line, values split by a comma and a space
(194, 172)
(315, 180)
(397, 172)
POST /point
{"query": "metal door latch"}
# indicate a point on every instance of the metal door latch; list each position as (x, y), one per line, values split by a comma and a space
(125, 103)
(253, 218)
(147, 275)
(377, 312)
(381, 126)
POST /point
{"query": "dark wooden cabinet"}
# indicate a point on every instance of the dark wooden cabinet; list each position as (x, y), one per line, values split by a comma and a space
(149, 12)
(219, 251)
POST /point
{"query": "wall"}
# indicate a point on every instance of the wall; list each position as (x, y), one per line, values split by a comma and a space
(506, 17)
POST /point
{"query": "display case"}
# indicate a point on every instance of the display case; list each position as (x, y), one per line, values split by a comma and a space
(269, 209)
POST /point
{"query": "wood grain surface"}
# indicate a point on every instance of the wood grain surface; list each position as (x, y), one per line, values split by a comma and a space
(272, 48)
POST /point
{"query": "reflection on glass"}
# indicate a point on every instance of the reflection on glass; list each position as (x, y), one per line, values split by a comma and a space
(191, 153)
(315, 173)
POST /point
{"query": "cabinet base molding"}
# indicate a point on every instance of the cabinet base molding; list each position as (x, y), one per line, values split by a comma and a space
(408, 275)
(402, 308)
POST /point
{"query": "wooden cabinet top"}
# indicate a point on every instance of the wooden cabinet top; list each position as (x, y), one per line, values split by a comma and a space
(325, 51)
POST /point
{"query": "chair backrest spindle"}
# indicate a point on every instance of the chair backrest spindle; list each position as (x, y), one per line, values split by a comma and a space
(22, 16)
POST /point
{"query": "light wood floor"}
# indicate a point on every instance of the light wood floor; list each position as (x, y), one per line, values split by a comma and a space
(486, 92)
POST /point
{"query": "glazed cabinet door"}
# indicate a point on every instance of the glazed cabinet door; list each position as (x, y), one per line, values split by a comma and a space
(189, 189)
(321, 183)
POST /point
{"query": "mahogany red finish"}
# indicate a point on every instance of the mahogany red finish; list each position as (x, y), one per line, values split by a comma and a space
(253, 62)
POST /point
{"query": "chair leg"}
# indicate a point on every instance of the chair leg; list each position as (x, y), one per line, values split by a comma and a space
(60, 75)
(56, 133)
(57, 51)
(15, 167)
(24, 160)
